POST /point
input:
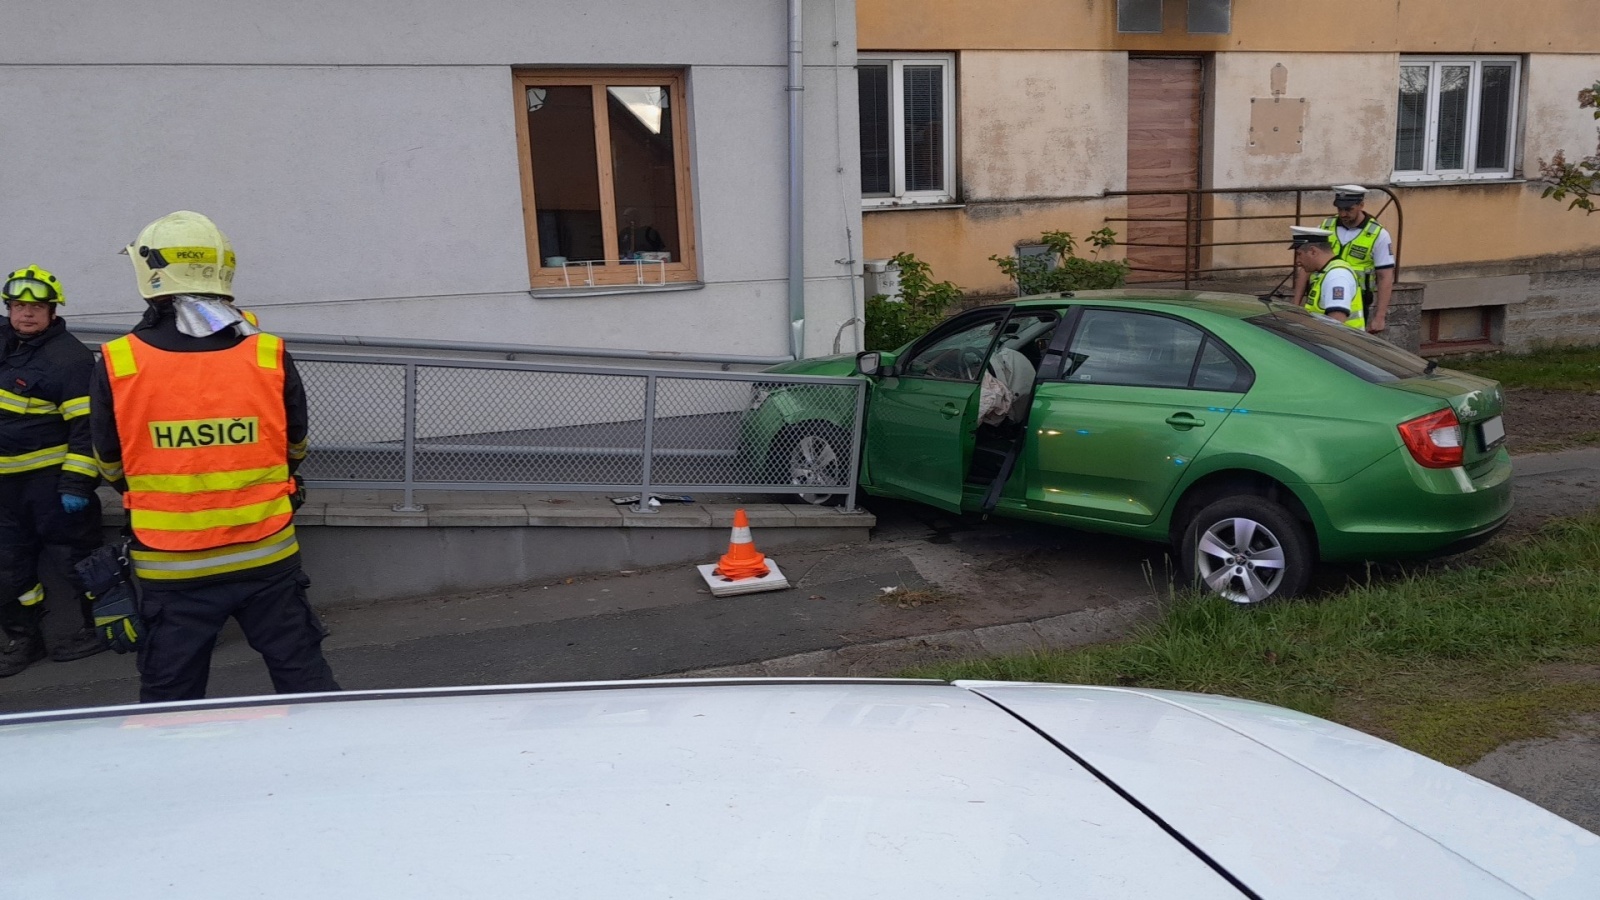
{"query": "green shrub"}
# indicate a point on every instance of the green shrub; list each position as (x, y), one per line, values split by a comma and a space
(1035, 274)
(922, 305)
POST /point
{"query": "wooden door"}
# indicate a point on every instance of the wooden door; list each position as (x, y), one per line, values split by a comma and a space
(1164, 99)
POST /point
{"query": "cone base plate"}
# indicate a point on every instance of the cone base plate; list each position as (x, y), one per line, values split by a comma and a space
(723, 587)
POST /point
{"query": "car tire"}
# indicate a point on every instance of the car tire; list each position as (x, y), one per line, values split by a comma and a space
(811, 453)
(1247, 549)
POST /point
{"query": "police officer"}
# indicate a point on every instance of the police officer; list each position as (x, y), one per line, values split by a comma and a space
(200, 420)
(1333, 288)
(1361, 241)
(47, 468)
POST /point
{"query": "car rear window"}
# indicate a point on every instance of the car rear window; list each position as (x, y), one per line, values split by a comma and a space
(1356, 352)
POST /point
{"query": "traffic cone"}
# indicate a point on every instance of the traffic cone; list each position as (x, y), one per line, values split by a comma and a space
(742, 560)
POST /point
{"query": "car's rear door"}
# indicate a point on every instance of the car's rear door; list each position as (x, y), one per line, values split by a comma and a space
(1139, 396)
(920, 429)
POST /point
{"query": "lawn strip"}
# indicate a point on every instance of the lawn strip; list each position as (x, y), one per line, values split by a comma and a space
(1451, 664)
(1551, 368)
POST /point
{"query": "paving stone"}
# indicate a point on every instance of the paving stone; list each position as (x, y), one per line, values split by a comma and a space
(800, 665)
(480, 516)
(761, 515)
(374, 517)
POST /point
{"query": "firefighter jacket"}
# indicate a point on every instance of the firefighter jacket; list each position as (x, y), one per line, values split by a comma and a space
(202, 436)
(44, 406)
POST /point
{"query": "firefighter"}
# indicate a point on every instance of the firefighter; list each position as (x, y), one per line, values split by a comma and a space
(47, 468)
(1333, 288)
(1366, 245)
(200, 421)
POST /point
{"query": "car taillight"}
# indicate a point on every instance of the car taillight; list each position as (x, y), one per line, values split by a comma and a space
(1434, 439)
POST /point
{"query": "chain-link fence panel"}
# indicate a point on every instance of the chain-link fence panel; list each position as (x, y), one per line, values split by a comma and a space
(513, 426)
(484, 425)
(755, 434)
(358, 417)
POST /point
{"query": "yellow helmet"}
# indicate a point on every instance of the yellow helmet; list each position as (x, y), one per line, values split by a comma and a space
(182, 253)
(33, 285)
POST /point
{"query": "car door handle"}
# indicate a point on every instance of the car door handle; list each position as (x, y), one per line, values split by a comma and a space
(1184, 420)
(950, 410)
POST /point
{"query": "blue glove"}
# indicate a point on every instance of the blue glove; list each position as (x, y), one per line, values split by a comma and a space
(73, 504)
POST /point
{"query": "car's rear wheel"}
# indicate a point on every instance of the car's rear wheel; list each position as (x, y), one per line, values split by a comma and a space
(1247, 549)
(811, 453)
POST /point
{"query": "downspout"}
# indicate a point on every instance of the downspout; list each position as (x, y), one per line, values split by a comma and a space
(797, 217)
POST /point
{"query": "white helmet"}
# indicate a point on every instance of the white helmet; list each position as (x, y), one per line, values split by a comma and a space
(182, 253)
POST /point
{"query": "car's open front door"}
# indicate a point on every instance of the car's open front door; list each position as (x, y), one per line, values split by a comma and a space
(920, 432)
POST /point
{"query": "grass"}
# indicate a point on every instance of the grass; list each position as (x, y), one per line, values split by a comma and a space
(1451, 664)
(1549, 368)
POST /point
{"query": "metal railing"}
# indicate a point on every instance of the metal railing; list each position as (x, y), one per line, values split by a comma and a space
(457, 348)
(425, 424)
(1196, 226)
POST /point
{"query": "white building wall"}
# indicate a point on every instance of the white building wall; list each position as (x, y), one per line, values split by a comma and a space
(362, 157)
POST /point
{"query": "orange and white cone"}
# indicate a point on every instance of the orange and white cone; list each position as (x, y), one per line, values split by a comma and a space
(742, 560)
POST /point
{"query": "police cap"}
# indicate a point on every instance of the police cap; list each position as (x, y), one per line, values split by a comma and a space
(1348, 195)
(1301, 236)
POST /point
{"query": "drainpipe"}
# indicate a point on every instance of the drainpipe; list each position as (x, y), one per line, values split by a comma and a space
(797, 218)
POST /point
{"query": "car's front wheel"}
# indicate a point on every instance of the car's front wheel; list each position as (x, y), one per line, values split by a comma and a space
(1248, 549)
(812, 453)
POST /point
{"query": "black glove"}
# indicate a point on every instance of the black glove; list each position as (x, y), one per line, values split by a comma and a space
(298, 498)
(116, 606)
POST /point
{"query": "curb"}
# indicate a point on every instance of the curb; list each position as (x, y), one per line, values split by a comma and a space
(1074, 629)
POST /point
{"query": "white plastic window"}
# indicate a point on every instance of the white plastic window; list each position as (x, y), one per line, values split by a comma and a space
(1457, 118)
(907, 129)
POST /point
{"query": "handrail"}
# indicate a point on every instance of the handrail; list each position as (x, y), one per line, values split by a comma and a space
(1193, 222)
(345, 340)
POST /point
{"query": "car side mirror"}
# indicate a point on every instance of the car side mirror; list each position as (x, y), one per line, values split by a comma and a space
(869, 362)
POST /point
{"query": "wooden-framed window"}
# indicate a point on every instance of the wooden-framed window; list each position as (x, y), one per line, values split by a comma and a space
(605, 176)
(1467, 327)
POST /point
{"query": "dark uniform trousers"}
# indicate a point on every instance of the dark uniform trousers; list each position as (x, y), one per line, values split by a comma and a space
(31, 519)
(182, 621)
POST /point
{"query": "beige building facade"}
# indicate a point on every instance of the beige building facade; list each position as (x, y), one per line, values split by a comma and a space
(1056, 120)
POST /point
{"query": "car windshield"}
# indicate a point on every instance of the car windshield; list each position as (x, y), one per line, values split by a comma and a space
(1356, 352)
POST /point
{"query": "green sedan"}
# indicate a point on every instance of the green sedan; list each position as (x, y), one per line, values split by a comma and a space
(1255, 438)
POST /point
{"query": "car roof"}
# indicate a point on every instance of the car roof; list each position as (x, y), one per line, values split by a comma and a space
(768, 787)
(1237, 306)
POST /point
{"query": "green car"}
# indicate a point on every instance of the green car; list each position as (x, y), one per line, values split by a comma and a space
(1253, 437)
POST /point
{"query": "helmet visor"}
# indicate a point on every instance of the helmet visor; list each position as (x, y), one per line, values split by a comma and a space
(30, 290)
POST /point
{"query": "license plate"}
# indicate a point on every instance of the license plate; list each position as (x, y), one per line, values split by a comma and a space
(1493, 432)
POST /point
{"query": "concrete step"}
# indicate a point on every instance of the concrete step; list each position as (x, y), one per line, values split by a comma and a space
(358, 548)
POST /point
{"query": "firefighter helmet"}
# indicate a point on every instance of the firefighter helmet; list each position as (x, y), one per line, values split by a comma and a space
(182, 253)
(33, 285)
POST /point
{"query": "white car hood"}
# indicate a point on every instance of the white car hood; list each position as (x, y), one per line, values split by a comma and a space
(1296, 806)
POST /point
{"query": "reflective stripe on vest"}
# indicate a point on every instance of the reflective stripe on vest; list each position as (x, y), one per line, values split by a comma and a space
(1359, 252)
(156, 565)
(204, 443)
(1357, 317)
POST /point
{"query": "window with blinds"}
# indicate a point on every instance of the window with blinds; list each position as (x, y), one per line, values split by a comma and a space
(1457, 118)
(907, 111)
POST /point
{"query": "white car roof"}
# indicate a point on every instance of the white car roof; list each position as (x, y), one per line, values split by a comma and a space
(782, 788)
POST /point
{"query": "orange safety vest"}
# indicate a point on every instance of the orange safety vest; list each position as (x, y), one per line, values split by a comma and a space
(205, 442)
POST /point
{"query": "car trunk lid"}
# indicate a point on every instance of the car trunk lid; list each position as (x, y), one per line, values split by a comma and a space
(1478, 404)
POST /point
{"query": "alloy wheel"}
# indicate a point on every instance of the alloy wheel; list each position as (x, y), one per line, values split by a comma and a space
(813, 460)
(1240, 559)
